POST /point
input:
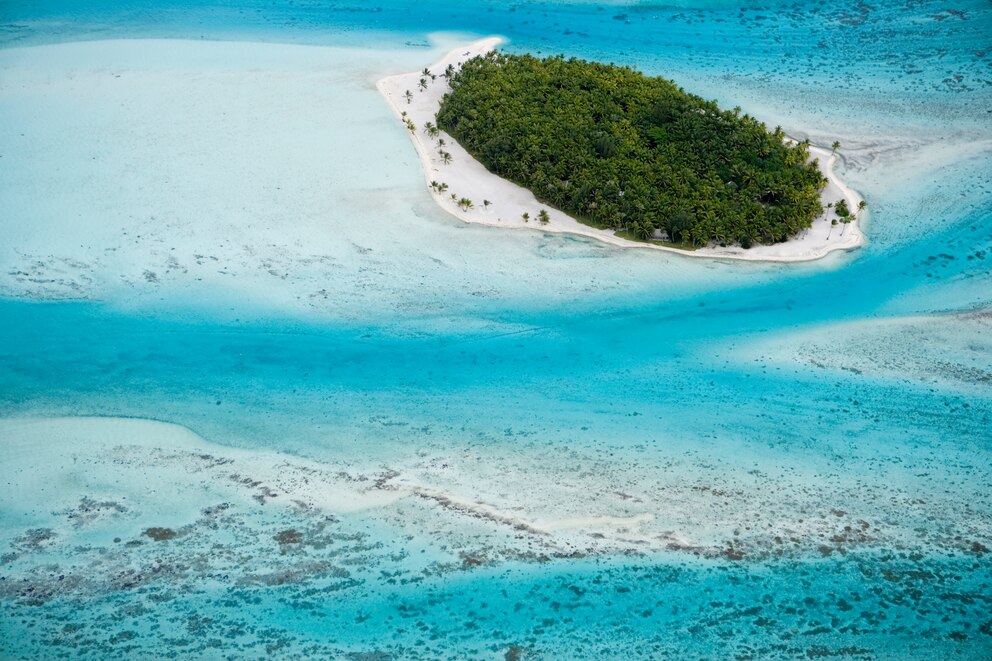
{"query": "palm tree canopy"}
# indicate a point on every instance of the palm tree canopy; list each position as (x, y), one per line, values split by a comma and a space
(616, 148)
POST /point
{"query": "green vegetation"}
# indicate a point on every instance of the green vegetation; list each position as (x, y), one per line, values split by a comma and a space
(618, 149)
(845, 214)
(841, 209)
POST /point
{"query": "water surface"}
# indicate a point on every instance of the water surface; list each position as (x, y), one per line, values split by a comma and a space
(415, 438)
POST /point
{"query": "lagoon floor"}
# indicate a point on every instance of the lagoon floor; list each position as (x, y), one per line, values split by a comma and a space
(259, 396)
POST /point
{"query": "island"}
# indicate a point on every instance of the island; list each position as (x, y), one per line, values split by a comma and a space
(566, 145)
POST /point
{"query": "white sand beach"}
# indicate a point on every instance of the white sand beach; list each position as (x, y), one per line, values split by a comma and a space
(467, 177)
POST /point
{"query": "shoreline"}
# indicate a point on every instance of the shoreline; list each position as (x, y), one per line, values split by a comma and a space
(467, 177)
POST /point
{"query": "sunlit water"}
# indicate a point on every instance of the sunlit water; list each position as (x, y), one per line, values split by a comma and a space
(812, 441)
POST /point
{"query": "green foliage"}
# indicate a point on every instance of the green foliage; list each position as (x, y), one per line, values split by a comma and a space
(643, 230)
(543, 216)
(618, 149)
(841, 209)
(679, 225)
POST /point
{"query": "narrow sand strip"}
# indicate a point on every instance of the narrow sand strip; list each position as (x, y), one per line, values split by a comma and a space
(467, 177)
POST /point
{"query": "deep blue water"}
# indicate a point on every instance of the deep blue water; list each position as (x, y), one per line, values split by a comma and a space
(620, 378)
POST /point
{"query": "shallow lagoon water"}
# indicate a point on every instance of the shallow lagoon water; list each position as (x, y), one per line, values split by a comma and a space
(463, 428)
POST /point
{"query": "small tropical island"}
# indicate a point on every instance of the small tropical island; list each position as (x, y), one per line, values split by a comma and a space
(621, 150)
(568, 145)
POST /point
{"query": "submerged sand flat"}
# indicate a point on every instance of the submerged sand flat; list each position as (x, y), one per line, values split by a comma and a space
(467, 177)
(960, 356)
(107, 481)
(161, 168)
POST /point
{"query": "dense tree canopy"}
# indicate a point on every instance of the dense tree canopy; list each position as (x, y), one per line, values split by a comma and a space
(616, 148)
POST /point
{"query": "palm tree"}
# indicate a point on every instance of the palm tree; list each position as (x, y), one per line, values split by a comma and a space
(841, 208)
(465, 204)
(426, 72)
(423, 83)
(408, 96)
(543, 216)
(525, 216)
(835, 146)
(644, 230)
(486, 203)
(709, 216)
(445, 157)
(862, 205)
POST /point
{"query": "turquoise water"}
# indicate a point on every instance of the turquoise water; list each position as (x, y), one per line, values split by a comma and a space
(819, 433)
